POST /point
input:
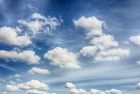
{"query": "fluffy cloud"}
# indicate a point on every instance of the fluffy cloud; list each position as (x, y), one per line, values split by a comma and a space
(12, 88)
(88, 50)
(113, 91)
(112, 54)
(63, 58)
(28, 56)
(36, 70)
(36, 92)
(104, 41)
(95, 91)
(17, 75)
(135, 39)
(10, 36)
(91, 24)
(103, 47)
(74, 90)
(30, 85)
(138, 62)
(69, 85)
(138, 85)
(37, 22)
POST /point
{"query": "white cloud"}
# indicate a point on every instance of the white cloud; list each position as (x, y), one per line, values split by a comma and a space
(30, 85)
(138, 62)
(17, 75)
(95, 91)
(138, 85)
(113, 91)
(34, 26)
(135, 39)
(88, 50)
(28, 56)
(37, 70)
(38, 22)
(36, 92)
(12, 88)
(104, 41)
(91, 24)
(71, 87)
(63, 58)
(38, 16)
(103, 47)
(10, 36)
(112, 54)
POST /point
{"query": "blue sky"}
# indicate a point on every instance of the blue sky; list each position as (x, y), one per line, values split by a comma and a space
(63, 46)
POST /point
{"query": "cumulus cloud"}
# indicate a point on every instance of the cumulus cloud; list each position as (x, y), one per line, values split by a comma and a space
(37, 70)
(113, 91)
(36, 92)
(38, 22)
(72, 88)
(138, 85)
(63, 58)
(28, 56)
(112, 54)
(30, 85)
(17, 75)
(138, 62)
(69, 85)
(12, 88)
(135, 39)
(95, 91)
(104, 41)
(88, 50)
(103, 47)
(10, 36)
(92, 25)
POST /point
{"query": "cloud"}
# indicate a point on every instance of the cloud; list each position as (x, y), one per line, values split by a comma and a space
(138, 62)
(138, 85)
(36, 92)
(113, 91)
(92, 25)
(71, 87)
(104, 41)
(17, 75)
(37, 70)
(112, 54)
(12, 88)
(63, 58)
(88, 50)
(30, 85)
(38, 22)
(102, 47)
(10, 36)
(28, 56)
(135, 39)
(95, 91)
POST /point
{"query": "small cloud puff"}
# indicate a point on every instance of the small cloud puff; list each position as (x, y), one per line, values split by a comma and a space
(30, 85)
(37, 70)
(38, 22)
(10, 36)
(28, 56)
(63, 58)
(74, 90)
(92, 25)
(135, 39)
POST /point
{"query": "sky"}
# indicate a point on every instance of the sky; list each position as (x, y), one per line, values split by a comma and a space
(69, 47)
